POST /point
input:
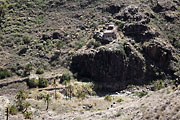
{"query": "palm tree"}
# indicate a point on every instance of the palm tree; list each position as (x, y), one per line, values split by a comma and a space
(65, 82)
(21, 95)
(47, 100)
(55, 95)
(70, 90)
(7, 113)
(28, 69)
(26, 105)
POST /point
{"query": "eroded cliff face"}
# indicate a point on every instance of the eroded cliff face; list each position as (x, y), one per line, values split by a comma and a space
(117, 65)
(111, 65)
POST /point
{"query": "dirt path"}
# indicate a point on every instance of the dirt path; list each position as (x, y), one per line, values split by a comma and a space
(48, 75)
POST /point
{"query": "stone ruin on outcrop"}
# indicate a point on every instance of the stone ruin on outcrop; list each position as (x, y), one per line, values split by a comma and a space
(107, 35)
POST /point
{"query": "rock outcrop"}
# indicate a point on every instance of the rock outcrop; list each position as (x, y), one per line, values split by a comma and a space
(139, 32)
(160, 52)
(115, 65)
(134, 13)
(119, 64)
(141, 52)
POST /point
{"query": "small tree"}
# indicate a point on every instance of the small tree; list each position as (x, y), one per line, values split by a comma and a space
(28, 115)
(69, 91)
(54, 84)
(108, 98)
(21, 97)
(40, 70)
(5, 73)
(67, 76)
(26, 105)
(28, 69)
(47, 100)
(65, 82)
(12, 110)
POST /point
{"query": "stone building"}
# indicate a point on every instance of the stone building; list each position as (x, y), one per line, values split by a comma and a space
(110, 32)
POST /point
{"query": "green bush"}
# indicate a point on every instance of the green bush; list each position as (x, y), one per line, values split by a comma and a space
(65, 82)
(33, 83)
(81, 95)
(12, 110)
(121, 49)
(108, 98)
(28, 115)
(93, 43)
(4, 73)
(141, 94)
(28, 67)
(67, 76)
(94, 93)
(79, 44)
(3, 9)
(60, 44)
(158, 85)
(21, 95)
(177, 44)
(120, 25)
(41, 95)
(120, 100)
(26, 39)
(40, 71)
(43, 83)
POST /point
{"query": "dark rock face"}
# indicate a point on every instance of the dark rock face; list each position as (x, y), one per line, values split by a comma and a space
(114, 8)
(160, 53)
(136, 21)
(139, 32)
(116, 67)
(161, 6)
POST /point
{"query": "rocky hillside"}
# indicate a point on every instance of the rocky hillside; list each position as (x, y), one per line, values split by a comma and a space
(47, 33)
(124, 56)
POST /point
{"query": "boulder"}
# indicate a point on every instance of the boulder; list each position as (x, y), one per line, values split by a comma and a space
(56, 35)
(23, 51)
(45, 37)
(114, 8)
(163, 5)
(170, 16)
